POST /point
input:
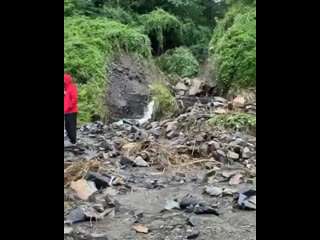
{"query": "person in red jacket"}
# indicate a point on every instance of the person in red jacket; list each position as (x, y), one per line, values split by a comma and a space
(70, 108)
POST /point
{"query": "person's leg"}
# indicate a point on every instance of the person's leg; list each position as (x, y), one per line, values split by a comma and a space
(73, 128)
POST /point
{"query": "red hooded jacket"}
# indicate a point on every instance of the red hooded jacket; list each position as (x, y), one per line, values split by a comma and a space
(70, 96)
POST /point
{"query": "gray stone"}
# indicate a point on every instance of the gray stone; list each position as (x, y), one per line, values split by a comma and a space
(188, 201)
(193, 221)
(220, 156)
(240, 142)
(246, 153)
(76, 215)
(221, 153)
(204, 149)
(213, 191)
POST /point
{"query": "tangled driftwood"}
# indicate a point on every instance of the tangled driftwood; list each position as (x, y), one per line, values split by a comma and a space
(162, 155)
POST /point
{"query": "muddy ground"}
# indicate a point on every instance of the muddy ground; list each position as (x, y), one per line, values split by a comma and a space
(232, 224)
(148, 191)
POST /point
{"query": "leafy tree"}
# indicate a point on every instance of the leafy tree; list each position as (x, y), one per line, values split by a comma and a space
(163, 29)
(179, 61)
(233, 46)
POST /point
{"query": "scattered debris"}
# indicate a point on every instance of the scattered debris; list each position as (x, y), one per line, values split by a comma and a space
(247, 200)
(130, 157)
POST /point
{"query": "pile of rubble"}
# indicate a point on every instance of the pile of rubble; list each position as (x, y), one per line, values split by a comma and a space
(95, 170)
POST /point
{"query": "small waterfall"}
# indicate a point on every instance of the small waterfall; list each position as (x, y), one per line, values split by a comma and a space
(148, 114)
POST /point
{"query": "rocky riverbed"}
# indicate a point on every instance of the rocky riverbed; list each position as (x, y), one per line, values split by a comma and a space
(174, 179)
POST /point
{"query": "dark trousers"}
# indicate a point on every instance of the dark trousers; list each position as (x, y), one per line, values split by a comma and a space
(71, 126)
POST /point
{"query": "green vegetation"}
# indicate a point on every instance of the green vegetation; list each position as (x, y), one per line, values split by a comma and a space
(179, 34)
(234, 120)
(164, 29)
(165, 105)
(197, 38)
(179, 61)
(88, 44)
(233, 46)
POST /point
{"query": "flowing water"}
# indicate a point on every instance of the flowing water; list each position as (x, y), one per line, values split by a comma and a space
(148, 113)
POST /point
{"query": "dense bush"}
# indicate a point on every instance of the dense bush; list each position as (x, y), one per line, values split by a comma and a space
(237, 121)
(165, 105)
(233, 46)
(179, 61)
(88, 44)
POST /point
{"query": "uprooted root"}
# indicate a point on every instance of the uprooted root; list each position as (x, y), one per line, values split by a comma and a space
(161, 155)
